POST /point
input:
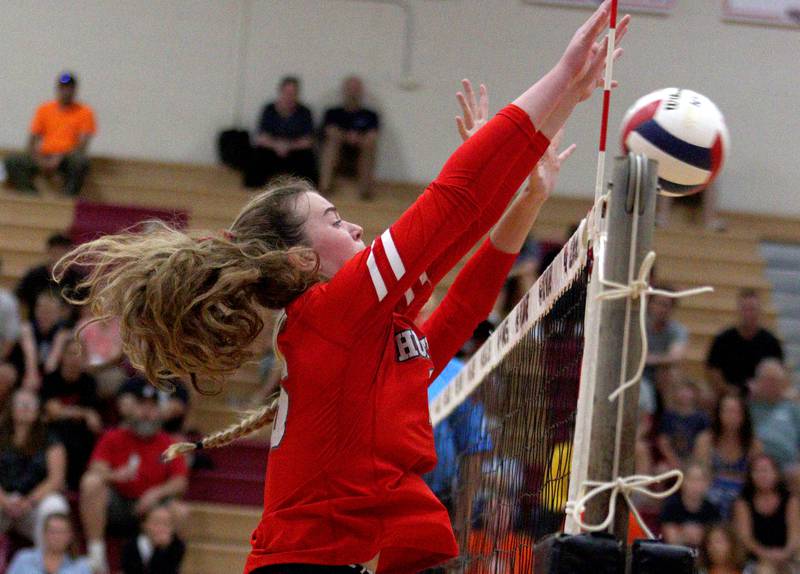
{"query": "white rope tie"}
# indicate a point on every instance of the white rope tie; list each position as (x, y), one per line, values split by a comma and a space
(640, 289)
(636, 484)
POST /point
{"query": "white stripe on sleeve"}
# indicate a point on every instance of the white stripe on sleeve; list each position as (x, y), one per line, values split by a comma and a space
(392, 255)
(423, 278)
(375, 274)
(409, 296)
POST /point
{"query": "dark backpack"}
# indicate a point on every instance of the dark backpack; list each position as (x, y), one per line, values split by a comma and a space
(233, 147)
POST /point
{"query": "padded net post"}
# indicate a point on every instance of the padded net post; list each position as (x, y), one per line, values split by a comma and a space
(608, 428)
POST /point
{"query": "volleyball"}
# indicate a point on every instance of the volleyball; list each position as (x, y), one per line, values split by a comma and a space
(684, 131)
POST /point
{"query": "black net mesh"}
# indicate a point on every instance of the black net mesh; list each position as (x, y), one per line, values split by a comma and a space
(505, 451)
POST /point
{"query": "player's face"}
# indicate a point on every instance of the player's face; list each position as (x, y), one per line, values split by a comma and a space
(334, 239)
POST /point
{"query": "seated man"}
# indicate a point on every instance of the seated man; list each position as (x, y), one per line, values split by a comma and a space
(776, 418)
(60, 134)
(40, 277)
(738, 350)
(350, 128)
(126, 478)
(285, 143)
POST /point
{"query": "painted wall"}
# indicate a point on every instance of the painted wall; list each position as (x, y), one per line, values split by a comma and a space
(164, 77)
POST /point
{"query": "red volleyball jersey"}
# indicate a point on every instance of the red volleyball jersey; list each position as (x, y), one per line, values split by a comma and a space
(352, 435)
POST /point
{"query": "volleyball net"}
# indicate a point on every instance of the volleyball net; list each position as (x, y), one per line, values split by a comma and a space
(518, 429)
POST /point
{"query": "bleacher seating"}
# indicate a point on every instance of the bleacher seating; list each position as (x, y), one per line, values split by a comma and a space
(219, 531)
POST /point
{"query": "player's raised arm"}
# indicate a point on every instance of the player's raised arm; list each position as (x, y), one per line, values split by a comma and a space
(469, 300)
(466, 186)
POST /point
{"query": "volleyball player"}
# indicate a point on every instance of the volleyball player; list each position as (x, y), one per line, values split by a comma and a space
(351, 435)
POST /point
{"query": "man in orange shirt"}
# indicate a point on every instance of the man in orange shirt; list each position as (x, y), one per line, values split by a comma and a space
(59, 137)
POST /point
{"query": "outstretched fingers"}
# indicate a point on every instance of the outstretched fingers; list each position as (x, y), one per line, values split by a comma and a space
(566, 153)
(469, 120)
(483, 103)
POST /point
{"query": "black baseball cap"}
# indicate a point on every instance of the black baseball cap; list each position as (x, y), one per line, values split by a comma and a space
(67, 79)
(139, 388)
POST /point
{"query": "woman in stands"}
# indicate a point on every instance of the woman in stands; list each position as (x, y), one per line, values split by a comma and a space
(767, 518)
(726, 448)
(352, 435)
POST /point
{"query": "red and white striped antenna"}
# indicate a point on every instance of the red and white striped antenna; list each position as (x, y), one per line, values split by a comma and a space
(599, 187)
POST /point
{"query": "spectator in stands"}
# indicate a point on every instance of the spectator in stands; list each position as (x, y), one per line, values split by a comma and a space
(10, 322)
(40, 278)
(737, 351)
(726, 448)
(56, 555)
(681, 424)
(285, 140)
(127, 478)
(42, 340)
(687, 513)
(767, 517)
(667, 339)
(494, 544)
(32, 469)
(776, 418)
(71, 404)
(158, 549)
(350, 131)
(102, 344)
(173, 406)
(59, 139)
(722, 552)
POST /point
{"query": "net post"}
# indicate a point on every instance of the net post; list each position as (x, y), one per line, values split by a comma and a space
(629, 227)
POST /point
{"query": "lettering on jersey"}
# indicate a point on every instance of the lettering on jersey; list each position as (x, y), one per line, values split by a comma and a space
(409, 346)
(279, 424)
(458, 385)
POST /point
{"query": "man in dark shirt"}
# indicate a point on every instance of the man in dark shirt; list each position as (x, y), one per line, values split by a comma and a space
(40, 278)
(737, 351)
(350, 131)
(284, 143)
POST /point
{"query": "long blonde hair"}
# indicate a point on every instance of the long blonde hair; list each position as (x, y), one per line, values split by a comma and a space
(189, 305)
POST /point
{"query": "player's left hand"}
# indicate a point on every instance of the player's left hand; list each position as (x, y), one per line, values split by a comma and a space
(545, 175)
(476, 112)
(593, 76)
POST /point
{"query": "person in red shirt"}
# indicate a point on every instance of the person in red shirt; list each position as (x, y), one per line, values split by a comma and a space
(127, 477)
(59, 137)
(351, 433)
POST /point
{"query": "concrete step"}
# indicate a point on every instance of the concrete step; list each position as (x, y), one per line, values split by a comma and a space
(25, 237)
(769, 228)
(789, 329)
(207, 558)
(192, 200)
(717, 278)
(221, 523)
(34, 211)
(781, 255)
(787, 304)
(784, 280)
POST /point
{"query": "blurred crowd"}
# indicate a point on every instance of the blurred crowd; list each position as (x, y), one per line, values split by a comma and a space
(81, 438)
